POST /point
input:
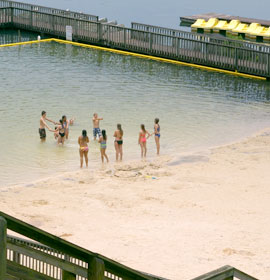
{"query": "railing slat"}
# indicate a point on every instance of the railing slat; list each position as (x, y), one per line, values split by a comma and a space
(23, 272)
(46, 258)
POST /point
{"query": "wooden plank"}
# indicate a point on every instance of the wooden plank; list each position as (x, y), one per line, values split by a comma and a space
(3, 247)
(22, 272)
(47, 258)
(243, 276)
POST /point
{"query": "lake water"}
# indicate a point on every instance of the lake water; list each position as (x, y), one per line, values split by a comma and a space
(197, 109)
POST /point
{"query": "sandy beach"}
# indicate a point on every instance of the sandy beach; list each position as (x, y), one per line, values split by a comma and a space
(173, 219)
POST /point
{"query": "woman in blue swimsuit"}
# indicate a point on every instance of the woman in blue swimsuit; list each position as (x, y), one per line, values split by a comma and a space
(103, 145)
(157, 134)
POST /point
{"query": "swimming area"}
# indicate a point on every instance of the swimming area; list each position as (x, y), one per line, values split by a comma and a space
(197, 109)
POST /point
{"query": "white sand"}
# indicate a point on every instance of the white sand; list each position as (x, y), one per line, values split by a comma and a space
(195, 217)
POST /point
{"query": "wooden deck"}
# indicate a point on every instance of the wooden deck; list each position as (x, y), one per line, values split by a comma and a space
(188, 20)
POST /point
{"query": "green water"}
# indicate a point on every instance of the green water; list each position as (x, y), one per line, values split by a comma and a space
(197, 109)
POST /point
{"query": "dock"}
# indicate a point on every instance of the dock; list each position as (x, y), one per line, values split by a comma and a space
(225, 55)
(189, 20)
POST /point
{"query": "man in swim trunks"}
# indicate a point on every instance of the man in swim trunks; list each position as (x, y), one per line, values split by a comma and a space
(96, 129)
(43, 124)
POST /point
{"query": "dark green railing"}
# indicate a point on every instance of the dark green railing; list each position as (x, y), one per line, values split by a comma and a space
(51, 257)
(47, 257)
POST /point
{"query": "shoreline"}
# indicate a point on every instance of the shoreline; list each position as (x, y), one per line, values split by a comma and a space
(195, 155)
(210, 213)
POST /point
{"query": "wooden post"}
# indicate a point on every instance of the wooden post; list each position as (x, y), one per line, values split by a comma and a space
(100, 31)
(3, 248)
(150, 41)
(236, 60)
(96, 269)
(66, 275)
(19, 35)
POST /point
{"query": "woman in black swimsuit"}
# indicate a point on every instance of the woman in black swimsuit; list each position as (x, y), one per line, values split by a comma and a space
(118, 142)
(62, 132)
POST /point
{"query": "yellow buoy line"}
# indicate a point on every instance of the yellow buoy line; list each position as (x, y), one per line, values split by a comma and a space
(137, 55)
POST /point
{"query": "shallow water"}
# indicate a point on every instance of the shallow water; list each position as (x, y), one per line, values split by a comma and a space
(197, 109)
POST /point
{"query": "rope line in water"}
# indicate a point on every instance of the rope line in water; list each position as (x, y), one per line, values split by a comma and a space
(144, 56)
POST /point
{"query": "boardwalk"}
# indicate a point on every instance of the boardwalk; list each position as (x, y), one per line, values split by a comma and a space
(241, 56)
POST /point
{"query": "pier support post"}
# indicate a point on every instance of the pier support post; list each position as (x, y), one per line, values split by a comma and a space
(3, 248)
(96, 269)
(150, 42)
(236, 59)
(100, 31)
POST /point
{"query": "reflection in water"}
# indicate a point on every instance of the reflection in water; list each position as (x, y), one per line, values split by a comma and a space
(197, 109)
(8, 36)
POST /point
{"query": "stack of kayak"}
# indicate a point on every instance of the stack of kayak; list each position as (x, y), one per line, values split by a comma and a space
(253, 31)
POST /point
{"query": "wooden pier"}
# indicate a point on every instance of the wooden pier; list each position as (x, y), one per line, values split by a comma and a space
(221, 53)
(188, 20)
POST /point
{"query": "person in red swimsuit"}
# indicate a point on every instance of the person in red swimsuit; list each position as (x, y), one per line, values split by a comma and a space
(143, 136)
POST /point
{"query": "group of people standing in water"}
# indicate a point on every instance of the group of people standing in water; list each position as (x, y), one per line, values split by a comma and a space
(61, 132)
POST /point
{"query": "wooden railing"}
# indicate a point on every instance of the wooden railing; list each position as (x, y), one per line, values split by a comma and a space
(241, 56)
(54, 258)
(46, 10)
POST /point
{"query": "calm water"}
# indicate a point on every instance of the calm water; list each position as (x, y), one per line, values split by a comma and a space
(157, 12)
(197, 109)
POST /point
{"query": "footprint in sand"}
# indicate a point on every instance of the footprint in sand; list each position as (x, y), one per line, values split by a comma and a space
(230, 251)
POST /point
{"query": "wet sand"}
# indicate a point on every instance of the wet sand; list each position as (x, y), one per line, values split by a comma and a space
(177, 219)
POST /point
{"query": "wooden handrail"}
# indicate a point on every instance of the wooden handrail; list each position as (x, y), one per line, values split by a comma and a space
(70, 249)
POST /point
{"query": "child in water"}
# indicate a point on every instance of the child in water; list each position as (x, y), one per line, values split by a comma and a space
(103, 145)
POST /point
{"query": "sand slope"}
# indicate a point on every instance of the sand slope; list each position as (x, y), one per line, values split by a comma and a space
(190, 219)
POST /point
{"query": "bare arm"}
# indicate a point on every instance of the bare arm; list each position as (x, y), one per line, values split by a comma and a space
(100, 119)
(50, 121)
(79, 140)
(148, 134)
(139, 138)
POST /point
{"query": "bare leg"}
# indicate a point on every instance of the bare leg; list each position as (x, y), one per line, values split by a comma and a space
(67, 133)
(157, 144)
(86, 158)
(141, 144)
(81, 158)
(145, 149)
(121, 152)
(116, 150)
(102, 155)
(105, 155)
